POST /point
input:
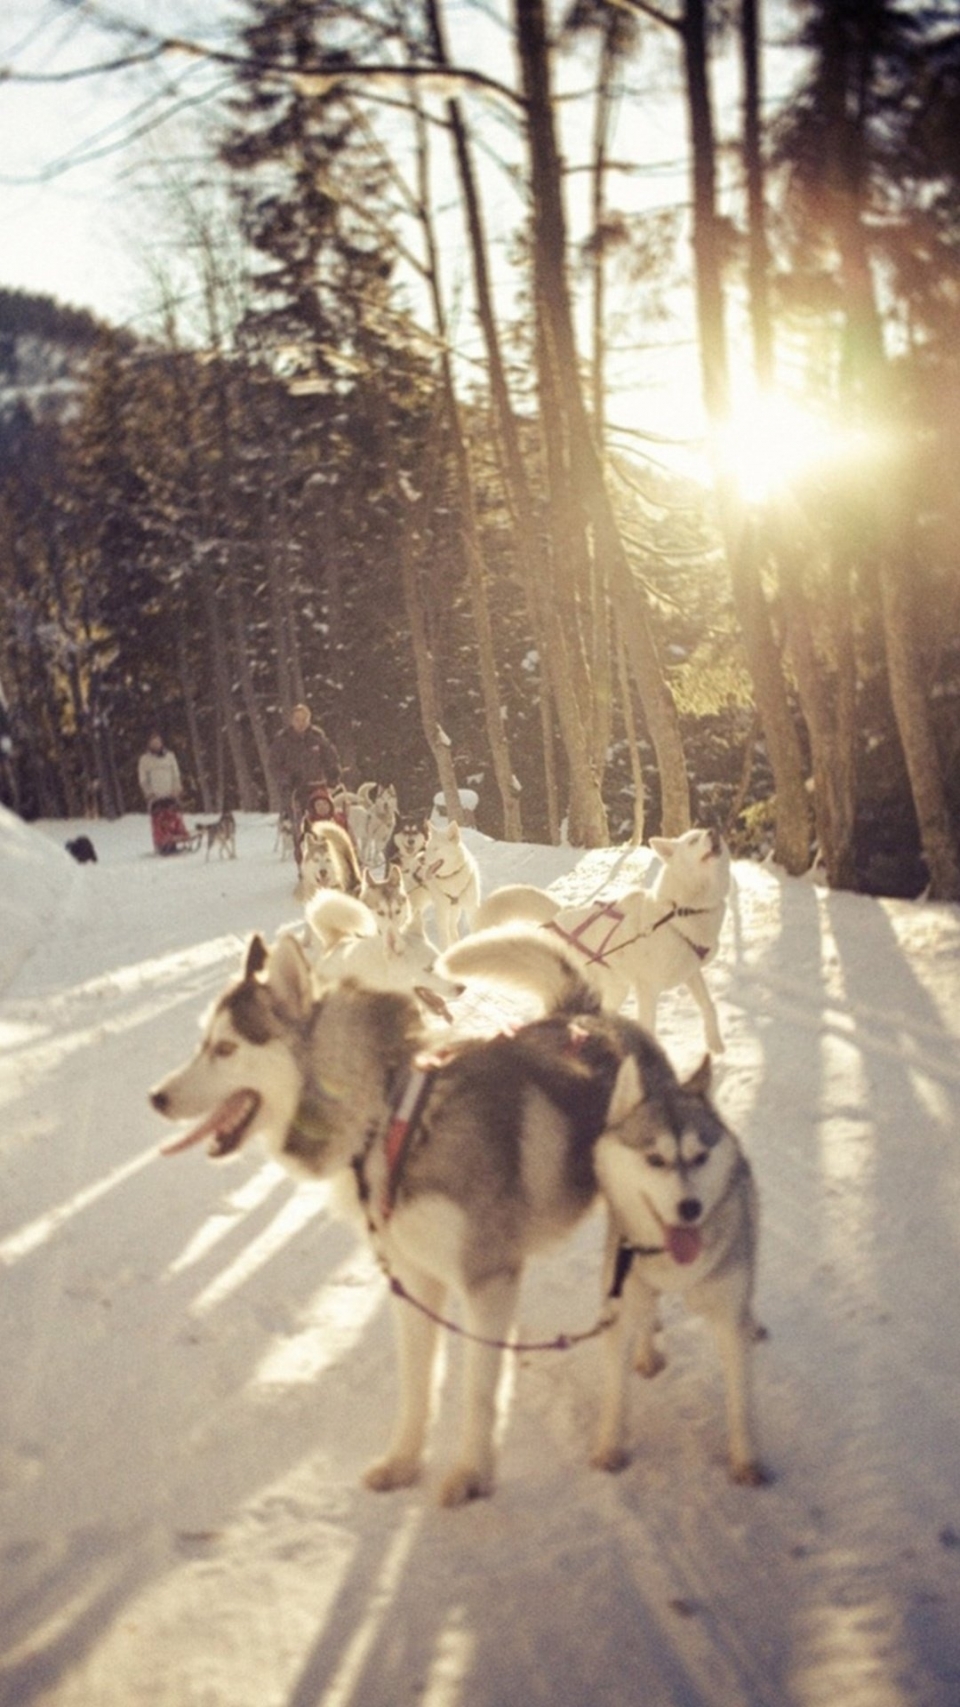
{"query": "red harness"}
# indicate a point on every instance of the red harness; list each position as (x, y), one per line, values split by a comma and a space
(600, 956)
(401, 1126)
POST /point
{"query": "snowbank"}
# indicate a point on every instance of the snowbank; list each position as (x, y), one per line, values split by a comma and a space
(35, 876)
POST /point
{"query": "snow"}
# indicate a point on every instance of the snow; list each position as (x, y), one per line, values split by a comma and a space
(197, 1360)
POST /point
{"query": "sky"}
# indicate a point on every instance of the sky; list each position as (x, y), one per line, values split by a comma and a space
(79, 216)
(198, 1359)
(73, 216)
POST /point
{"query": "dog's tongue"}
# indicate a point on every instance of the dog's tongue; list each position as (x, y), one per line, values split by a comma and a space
(223, 1125)
(683, 1243)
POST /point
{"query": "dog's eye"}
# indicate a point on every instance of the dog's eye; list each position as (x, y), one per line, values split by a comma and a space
(655, 1160)
(700, 1160)
(223, 1049)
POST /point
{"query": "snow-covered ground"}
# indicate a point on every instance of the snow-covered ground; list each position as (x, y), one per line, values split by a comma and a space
(197, 1360)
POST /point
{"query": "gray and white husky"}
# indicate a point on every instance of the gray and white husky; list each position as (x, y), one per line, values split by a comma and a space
(328, 860)
(370, 937)
(644, 941)
(461, 1166)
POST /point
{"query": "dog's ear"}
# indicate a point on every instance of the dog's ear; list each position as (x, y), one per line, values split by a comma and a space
(256, 958)
(288, 978)
(698, 1084)
(627, 1092)
(663, 847)
(395, 877)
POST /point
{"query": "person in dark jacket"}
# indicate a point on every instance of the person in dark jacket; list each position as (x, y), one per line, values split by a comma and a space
(302, 758)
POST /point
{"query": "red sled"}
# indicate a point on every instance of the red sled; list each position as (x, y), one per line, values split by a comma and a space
(170, 833)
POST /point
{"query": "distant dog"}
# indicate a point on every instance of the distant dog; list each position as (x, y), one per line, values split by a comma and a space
(366, 937)
(387, 912)
(83, 850)
(452, 878)
(220, 834)
(646, 940)
(407, 848)
(283, 840)
(328, 860)
(372, 816)
(459, 1167)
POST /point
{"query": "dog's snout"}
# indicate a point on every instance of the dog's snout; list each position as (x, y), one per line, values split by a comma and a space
(690, 1209)
(160, 1101)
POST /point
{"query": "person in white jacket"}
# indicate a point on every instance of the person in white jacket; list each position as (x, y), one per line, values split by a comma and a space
(158, 773)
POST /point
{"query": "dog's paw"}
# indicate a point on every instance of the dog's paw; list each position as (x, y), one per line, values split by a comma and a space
(465, 1483)
(750, 1474)
(650, 1362)
(387, 1473)
(609, 1458)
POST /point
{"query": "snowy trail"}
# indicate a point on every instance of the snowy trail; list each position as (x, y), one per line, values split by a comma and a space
(197, 1361)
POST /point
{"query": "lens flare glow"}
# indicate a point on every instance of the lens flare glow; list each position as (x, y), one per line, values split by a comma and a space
(771, 442)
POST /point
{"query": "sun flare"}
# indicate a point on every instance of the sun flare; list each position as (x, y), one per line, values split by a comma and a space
(771, 442)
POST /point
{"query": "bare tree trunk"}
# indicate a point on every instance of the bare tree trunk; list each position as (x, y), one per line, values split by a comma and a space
(911, 707)
(188, 690)
(867, 377)
(431, 715)
(531, 553)
(828, 694)
(829, 715)
(503, 769)
(758, 249)
(633, 746)
(227, 480)
(792, 845)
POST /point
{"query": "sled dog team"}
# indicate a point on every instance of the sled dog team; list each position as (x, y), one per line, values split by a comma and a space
(459, 1156)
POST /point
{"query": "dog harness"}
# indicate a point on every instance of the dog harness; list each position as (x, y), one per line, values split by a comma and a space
(609, 910)
(398, 1135)
(437, 872)
(401, 1127)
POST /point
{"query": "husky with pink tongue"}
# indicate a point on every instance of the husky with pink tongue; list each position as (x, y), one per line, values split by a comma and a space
(689, 1225)
(682, 1211)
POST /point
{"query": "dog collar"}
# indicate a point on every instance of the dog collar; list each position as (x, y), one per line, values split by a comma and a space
(623, 1262)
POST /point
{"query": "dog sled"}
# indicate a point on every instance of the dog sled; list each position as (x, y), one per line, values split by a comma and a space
(170, 833)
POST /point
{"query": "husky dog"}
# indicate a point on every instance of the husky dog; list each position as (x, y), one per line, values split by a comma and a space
(682, 1218)
(645, 941)
(371, 814)
(452, 877)
(382, 908)
(381, 819)
(689, 1225)
(221, 834)
(388, 902)
(365, 937)
(407, 848)
(520, 903)
(283, 840)
(459, 1167)
(328, 860)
